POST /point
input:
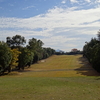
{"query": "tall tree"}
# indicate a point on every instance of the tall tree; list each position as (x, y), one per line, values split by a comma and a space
(15, 56)
(5, 57)
(91, 51)
(36, 47)
(16, 41)
(98, 35)
(26, 56)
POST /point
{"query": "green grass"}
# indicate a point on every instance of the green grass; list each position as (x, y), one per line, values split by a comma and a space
(43, 81)
(70, 88)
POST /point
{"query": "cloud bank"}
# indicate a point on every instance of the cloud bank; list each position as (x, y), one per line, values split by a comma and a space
(60, 27)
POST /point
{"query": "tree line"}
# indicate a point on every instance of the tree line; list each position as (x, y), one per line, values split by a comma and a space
(16, 55)
(91, 51)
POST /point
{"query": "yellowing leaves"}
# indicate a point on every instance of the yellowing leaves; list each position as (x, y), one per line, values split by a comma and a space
(15, 55)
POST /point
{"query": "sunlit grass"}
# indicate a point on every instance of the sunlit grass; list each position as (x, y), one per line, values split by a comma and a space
(59, 62)
(59, 66)
(56, 78)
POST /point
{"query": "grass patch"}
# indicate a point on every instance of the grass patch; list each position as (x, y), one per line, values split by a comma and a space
(70, 88)
(59, 66)
(57, 78)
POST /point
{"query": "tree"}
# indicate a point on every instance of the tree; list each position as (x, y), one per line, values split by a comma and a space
(88, 48)
(47, 52)
(16, 41)
(5, 57)
(36, 47)
(14, 61)
(98, 35)
(26, 56)
(91, 51)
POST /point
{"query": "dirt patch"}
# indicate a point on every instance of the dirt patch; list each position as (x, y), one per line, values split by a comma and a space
(42, 61)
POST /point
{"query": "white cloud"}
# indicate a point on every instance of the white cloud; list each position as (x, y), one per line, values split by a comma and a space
(54, 18)
(74, 1)
(60, 27)
(60, 41)
(64, 1)
(88, 1)
(97, 1)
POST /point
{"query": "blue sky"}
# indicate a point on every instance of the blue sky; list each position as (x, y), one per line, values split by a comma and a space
(60, 24)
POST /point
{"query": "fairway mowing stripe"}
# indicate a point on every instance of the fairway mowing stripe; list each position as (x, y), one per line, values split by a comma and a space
(58, 70)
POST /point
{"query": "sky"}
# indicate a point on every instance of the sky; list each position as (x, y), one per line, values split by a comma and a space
(60, 24)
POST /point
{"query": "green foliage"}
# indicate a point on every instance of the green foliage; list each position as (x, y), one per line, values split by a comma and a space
(15, 41)
(5, 57)
(25, 57)
(36, 47)
(91, 51)
(39, 52)
(14, 55)
(47, 52)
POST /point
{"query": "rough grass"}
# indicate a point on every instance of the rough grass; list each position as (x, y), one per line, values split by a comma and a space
(58, 78)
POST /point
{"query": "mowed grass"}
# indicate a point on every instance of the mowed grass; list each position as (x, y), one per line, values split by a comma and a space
(69, 88)
(56, 78)
(59, 66)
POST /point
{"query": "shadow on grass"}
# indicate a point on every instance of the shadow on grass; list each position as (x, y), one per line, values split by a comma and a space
(86, 68)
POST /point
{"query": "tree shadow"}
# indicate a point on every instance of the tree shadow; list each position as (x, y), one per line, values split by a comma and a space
(86, 68)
